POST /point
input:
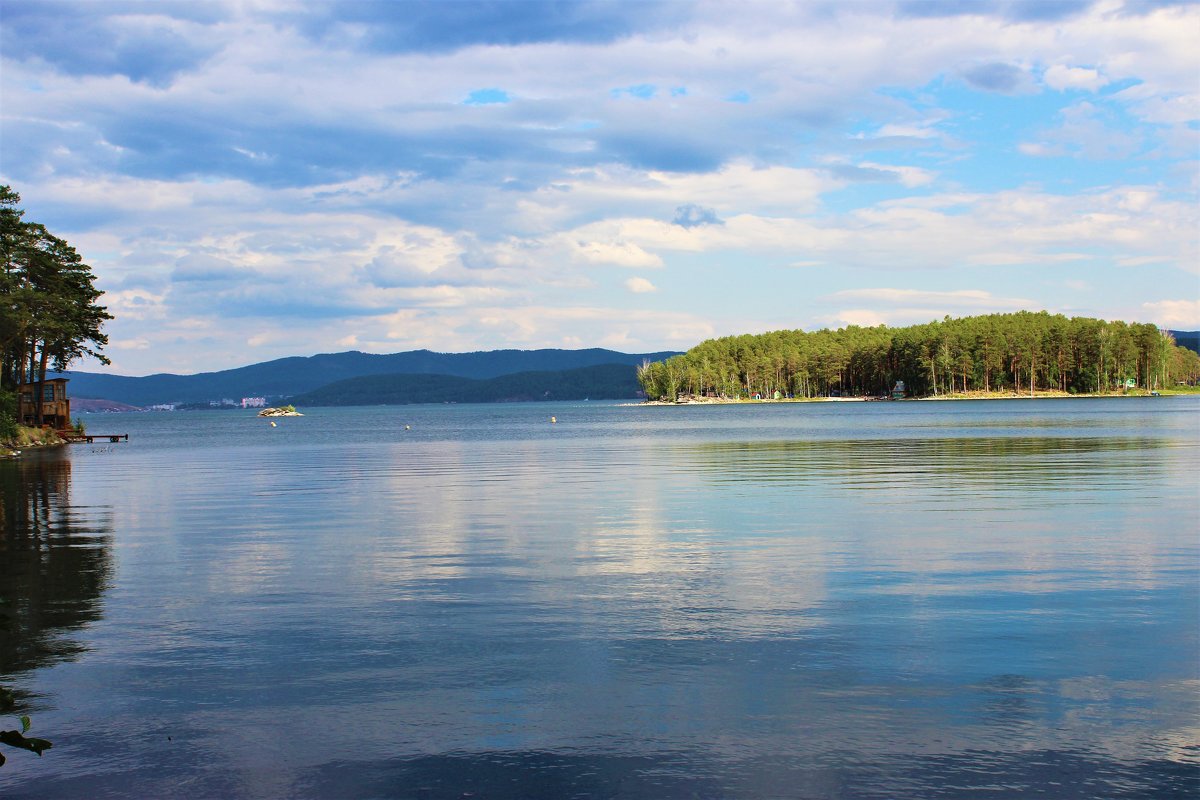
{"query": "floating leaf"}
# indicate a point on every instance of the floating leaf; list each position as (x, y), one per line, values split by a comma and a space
(25, 724)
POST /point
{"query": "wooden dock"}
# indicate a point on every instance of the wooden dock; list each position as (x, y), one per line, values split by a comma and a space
(74, 437)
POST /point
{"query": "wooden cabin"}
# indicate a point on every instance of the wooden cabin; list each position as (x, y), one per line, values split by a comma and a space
(56, 407)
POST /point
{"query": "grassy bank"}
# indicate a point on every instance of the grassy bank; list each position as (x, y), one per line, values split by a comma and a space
(1180, 390)
(26, 438)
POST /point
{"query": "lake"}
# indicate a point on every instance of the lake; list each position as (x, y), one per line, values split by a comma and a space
(968, 599)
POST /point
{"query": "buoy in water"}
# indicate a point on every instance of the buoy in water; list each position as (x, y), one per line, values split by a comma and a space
(408, 427)
(272, 423)
(553, 420)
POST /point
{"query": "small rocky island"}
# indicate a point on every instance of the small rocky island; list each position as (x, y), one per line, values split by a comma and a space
(281, 411)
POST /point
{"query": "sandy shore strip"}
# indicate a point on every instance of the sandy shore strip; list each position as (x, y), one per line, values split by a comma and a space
(1041, 395)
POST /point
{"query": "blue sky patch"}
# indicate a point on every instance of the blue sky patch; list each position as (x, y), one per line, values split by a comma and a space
(642, 91)
(487, 97)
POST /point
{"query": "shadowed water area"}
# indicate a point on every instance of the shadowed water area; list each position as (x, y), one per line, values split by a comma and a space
(841, 600)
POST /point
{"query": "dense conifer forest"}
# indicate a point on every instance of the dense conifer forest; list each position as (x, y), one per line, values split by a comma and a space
(1017, 353)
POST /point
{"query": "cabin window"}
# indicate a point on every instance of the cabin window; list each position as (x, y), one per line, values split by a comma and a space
(48, 393)
(26, 397)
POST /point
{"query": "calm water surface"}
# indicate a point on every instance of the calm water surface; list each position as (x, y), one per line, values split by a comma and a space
(839, 600)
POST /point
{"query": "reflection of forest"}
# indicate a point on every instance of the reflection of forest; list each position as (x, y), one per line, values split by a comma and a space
(54, 563)
(1024, 463)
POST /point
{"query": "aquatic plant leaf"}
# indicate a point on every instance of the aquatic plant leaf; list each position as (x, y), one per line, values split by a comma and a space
(15, 739)
(25, 724)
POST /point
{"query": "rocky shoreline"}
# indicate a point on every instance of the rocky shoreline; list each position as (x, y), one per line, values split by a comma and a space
(28, 439)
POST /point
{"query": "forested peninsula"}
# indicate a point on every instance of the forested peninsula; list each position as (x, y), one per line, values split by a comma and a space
(1019, 354)
(49, 316)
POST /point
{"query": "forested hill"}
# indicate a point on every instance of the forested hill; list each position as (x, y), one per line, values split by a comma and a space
(604, 382)
(997, 352)
(286, 377)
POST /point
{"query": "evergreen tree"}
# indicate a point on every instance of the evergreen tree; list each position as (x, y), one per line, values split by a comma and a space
(49, 315)
(1021, 353)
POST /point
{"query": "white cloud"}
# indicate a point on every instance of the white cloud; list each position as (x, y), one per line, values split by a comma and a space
(619, 254)
(925, 129)
(640, 286)
(862, 317)
(135, 304)
(130, 344)
(897, 307)
(960, 299)
(1176, 314)
(1040, 149)
(259, 339)
(1088, 130)
(1060, 77)
(317, 275)
(910, 177)
(296, 187)
(1163, 108)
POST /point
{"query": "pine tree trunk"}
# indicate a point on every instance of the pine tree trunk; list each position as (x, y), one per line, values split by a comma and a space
(41, 384)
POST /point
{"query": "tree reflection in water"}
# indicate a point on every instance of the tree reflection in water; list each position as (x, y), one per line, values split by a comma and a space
(55, 564)
(1028, 465)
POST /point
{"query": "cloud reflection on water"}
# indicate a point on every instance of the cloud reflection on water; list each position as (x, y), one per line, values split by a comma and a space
(672, 616)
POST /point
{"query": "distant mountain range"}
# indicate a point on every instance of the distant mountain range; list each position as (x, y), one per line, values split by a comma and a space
(603, 382)
(300, 378)
(295, 376)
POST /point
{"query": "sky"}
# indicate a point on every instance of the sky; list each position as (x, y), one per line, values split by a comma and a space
(251, 180)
